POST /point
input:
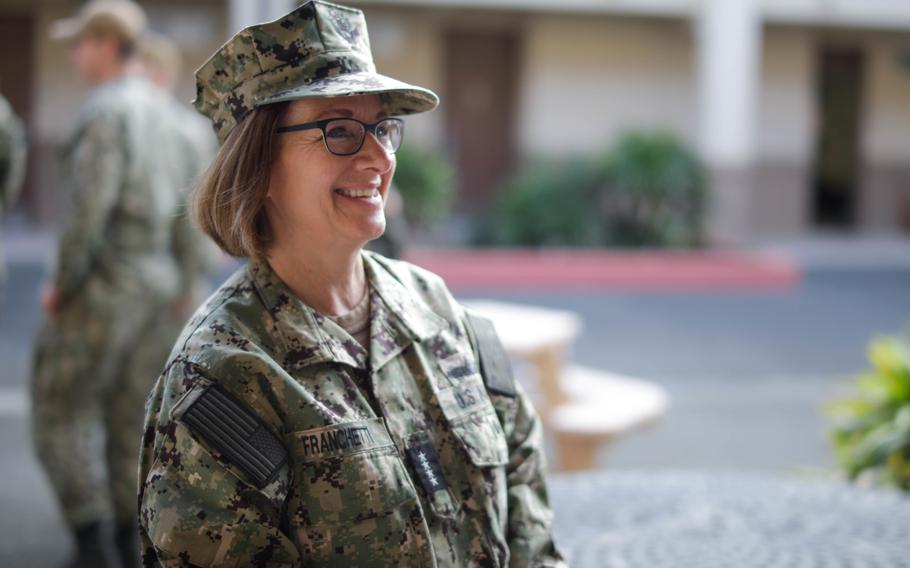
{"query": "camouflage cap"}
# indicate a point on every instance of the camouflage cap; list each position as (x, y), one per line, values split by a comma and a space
(318, 50)
(161, 56)
(122, 17)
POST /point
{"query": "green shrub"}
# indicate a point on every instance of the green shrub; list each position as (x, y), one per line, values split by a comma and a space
(648, 190)
(871, 431)
(652, 194)
(426, 182)
(547, 205)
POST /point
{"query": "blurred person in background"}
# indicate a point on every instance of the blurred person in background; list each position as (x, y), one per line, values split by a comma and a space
(329, 406)
(12, 163)
(116, 272)
(196, 255)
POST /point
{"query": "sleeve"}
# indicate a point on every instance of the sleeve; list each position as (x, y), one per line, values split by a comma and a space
(195, 254)
(196, 506)
(98, 168)
(12, 157)
(530, 517)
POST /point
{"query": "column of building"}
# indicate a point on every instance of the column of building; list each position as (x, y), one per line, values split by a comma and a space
(729, 36)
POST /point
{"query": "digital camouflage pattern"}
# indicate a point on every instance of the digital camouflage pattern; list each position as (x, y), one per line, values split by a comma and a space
(127, 182)
(318, 50)
(393, 456)
(118, 274)
(196, 254)
(12, 163)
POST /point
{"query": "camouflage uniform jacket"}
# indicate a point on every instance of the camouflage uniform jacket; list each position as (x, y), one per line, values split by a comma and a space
(12, 162)
(195, 254)
(122, 164)
(274, 439)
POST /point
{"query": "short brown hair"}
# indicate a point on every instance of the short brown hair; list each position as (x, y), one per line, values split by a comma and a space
(102, 28)
(227, 204)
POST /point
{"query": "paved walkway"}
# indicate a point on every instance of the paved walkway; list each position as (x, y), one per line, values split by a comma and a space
(566, 269)
(764, 265)
(748, 369)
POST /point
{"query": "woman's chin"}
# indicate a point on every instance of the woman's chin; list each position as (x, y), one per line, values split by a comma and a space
(371, 231)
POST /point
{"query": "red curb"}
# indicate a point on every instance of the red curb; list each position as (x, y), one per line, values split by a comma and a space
(622, 270)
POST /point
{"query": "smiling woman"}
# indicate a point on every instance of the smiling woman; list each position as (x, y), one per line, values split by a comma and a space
(317, 197)
(328, 406)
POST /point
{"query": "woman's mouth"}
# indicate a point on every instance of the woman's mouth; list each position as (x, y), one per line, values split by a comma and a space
(358, 193)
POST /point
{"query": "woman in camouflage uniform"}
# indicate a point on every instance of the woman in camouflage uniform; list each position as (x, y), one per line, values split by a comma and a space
(328, 406)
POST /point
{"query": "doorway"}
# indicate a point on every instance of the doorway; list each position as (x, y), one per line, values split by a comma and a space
(839, 100)
(481, 73)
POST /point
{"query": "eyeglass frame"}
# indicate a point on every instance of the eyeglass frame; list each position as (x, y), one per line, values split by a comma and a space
(321, 124)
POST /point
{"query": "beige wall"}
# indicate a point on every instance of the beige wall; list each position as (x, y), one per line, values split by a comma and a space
(885, 187)
(779, 197)
(407, 45)
(584, 80)
(587, 80)
(886, 136)
(786, 109)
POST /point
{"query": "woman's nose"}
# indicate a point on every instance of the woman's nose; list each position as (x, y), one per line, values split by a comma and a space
(373, 156)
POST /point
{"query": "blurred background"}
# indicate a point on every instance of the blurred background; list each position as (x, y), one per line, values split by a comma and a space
(689, 218)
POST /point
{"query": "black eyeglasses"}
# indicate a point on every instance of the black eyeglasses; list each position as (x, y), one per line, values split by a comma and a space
(345, 136)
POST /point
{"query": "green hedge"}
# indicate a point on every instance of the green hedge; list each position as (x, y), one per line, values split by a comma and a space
(426, 181)
(648, 190)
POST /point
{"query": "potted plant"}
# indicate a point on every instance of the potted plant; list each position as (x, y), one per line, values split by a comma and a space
(871, 430)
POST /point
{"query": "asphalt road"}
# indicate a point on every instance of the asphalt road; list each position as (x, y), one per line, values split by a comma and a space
(747, 374)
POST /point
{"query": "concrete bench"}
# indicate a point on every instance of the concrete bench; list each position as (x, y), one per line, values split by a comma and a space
(584, 408)
(540, 336)
(601, 406)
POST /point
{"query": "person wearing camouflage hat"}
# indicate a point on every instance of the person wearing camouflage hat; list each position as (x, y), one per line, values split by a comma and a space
(117, 271)
(328, 406)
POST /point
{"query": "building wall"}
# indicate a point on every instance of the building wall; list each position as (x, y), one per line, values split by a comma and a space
(407, 45)
(781, 197)
(584, 80)
(587, 80)
(785, 130)
(885, 183)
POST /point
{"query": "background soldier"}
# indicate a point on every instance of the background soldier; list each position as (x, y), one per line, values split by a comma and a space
(12, 162)
(195, 254)
(116, 273)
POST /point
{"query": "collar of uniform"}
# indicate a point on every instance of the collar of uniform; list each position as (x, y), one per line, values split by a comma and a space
(397, 317)
(308, 336)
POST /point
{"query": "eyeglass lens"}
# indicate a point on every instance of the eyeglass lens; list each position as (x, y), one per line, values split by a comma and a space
(344, 136)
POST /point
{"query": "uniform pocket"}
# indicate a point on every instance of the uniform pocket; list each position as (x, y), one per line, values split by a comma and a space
(483, 439)
(473, 420)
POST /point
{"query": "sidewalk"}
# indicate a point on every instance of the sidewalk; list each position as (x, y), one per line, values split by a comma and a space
(833, 251)
(747, 372)
(765, 265)
(606, 269)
